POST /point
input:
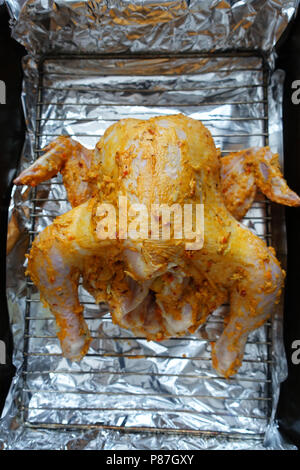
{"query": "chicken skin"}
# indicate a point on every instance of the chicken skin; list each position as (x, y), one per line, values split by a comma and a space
(158, 286)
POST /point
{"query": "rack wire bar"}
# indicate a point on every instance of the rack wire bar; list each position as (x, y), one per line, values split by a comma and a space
(118, 363)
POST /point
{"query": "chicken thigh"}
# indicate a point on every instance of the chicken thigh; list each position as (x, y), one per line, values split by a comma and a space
(158, 286)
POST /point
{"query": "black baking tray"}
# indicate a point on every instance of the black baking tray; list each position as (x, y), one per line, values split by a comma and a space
(12, 132)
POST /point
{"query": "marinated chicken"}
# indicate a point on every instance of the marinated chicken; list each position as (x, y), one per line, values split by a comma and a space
(158, 287)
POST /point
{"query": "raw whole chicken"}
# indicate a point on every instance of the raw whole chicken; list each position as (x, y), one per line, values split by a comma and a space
(157, 287)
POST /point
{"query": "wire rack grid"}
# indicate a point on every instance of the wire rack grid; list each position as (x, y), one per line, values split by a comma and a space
(125, 383)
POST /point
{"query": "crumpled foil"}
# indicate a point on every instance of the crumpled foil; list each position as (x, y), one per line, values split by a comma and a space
(128, 393)
(149, 26)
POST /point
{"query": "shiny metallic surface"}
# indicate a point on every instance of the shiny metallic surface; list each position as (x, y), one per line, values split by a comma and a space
(116, 26)
(127, 392)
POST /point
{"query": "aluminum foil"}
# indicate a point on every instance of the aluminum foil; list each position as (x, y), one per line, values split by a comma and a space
(128, 393)
(149, 26)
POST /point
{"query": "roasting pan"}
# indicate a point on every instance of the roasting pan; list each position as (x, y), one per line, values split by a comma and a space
(126, 383)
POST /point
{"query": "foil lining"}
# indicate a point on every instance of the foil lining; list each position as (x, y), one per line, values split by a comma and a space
(149, 26)
(128, 393)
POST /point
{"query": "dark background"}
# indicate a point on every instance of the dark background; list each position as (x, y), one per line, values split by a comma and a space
(11, 141)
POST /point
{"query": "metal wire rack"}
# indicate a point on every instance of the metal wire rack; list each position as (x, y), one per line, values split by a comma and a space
(125, 383)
